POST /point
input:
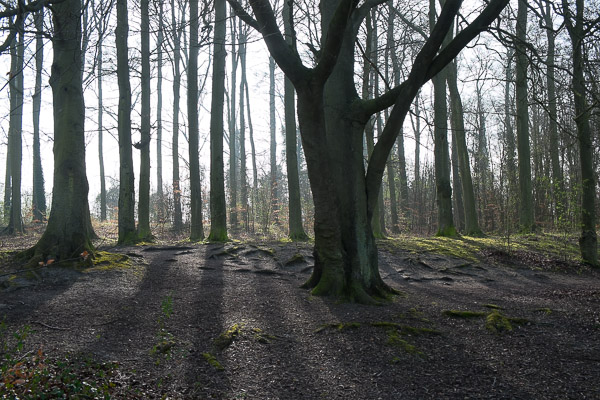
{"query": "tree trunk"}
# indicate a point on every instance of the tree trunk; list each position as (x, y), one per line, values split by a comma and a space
(69, 231)
(176, 33)
(588, 242)
(159, 125)
(39, 194)
(458, 127)
(273, 142)
(296, 230)
(456, 184)
(98, 20)
(252, 152)
(218, 208)
(233, 202)
(196, 229)
(15, 130)
(127, 232)
(526, 219)
(143, 229)
(511, 168)
(7, 185)
(441, 153)
(557, 176)
(243, 156)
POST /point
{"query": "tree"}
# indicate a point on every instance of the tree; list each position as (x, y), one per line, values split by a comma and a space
(296, 230)
(218, 208)
(233, 186)
(526, 219)
(588, 242)
(332, 120)
(127, 231)
(15, 130)
(69, 231)
(273, 141)
(196, 228)
(39, 195)
(176, 32)
(159, 105)
(143, 229)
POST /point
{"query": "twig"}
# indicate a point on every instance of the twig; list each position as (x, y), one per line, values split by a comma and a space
(50, 327)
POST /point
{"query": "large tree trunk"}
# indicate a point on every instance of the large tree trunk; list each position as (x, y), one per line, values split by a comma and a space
(526, 219)
(127, 232)
(39, 194)
(143, 229)
(69, 231)
(588, 242)
(176, 33)
(196, 229)
(218, 208)
(15, 129)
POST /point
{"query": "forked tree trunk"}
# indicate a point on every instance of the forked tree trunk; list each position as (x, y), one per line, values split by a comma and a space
(69, 231)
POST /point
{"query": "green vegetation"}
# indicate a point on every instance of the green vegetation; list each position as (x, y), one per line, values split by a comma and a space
(105, 261)
(464, 314)
(212, 360)
(495, 322)
(338, 326)
(226, 338)
(165, 339)
(469, 247)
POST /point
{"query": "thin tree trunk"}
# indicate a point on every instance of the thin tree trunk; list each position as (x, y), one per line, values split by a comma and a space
(441, 153)
(196, 229)
(100, 66)
(526, 218)
(511, 167)
(39, 194)
(218, 208)
(143, 229)
(458, 129)
(176, 33)
(252, 153)
(159, 123)
(233, 185)
(127, 232)
(296, 230)
(243, 160)
(15, 130)
(273, 142)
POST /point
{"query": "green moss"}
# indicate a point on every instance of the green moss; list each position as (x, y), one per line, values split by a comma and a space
(213, 361)
(396, 341)
(464, 314)
(544, 310)
(338, 326)
(497, 323)
(493, 306)
(405, 329)
(226, 338)
(296, 259)
(105, 261)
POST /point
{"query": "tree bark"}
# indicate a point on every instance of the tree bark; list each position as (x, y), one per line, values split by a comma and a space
(296, 230)
(143, 229)
(127, 231)
(69, 231)
(196, 228)
(526, 218)
(218, 208)
(245, 208)
(15, 129)
(176, 33)
(588, 241)
(233, 184)
(273, 142)
(98, 20)
(159, 123)
(39, 193)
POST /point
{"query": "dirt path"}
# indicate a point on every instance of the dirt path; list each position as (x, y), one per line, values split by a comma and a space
(159, 320)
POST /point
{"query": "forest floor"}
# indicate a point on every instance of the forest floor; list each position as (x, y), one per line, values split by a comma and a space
(229, 321)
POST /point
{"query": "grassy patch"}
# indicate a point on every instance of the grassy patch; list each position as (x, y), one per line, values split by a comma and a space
(105, 261)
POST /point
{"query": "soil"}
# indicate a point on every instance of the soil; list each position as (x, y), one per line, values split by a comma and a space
(229, 321)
